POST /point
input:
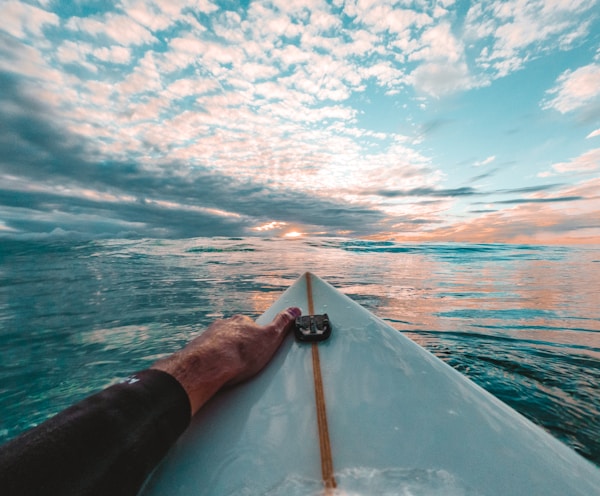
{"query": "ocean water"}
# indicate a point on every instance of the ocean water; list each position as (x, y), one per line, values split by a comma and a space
(521, 321)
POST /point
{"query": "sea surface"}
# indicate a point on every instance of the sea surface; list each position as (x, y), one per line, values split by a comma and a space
(521, 321)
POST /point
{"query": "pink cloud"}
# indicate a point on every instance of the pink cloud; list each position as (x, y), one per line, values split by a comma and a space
(545, 223)
(574, 89)
(189, 87)
(528, 225)
(520, 30)
(21, 19)
(114, 54)
(439, 44)
(158, 15)
(584, 163)
(588, 162)
(121, 28)
(145, 77)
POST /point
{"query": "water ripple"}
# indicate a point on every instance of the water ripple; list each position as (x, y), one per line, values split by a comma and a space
(521, 321)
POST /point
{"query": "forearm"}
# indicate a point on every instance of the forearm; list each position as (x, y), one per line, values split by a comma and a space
(200, 373)
(106, 444)
(228, 352)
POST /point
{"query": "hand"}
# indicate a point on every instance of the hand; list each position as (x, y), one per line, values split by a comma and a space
(228, 352)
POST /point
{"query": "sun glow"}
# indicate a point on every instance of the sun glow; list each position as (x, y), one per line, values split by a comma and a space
(293, 234)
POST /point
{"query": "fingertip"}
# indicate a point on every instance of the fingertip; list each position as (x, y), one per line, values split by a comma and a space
(295, 312)
(286, 317)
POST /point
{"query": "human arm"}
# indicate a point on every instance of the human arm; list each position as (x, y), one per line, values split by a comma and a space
(109, 442)
(228, 352)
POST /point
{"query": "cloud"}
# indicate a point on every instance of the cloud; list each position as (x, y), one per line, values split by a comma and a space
(438, 44)
(21, 20)
(438, 79)
(121, 29)
(443, 69)
(485, 175)
(558, 199)
(464, 191)
(383, 17)
(113, 54)
(519, 31)
(159, 15)
(570, 215)
(527, 222)
(588, 162)
(433, 126)
(594, 134)
(529, 189)
(430, 192)
(234, 114)
(29, 62)
(71, 52)
(51, 181)
(486, 161)
(574, 89)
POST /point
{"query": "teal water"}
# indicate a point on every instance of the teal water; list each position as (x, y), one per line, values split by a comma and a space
(521, 321)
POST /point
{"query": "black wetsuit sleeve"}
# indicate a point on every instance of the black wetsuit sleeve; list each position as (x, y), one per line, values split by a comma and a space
(104, 445)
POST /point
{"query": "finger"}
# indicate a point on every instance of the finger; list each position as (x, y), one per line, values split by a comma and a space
(285, 318)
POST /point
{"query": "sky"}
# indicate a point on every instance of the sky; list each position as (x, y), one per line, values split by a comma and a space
(399, 120)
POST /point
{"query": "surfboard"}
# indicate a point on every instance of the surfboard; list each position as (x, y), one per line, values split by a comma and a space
(367, 411)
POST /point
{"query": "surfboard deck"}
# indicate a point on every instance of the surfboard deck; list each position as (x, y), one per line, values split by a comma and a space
(400, 421)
